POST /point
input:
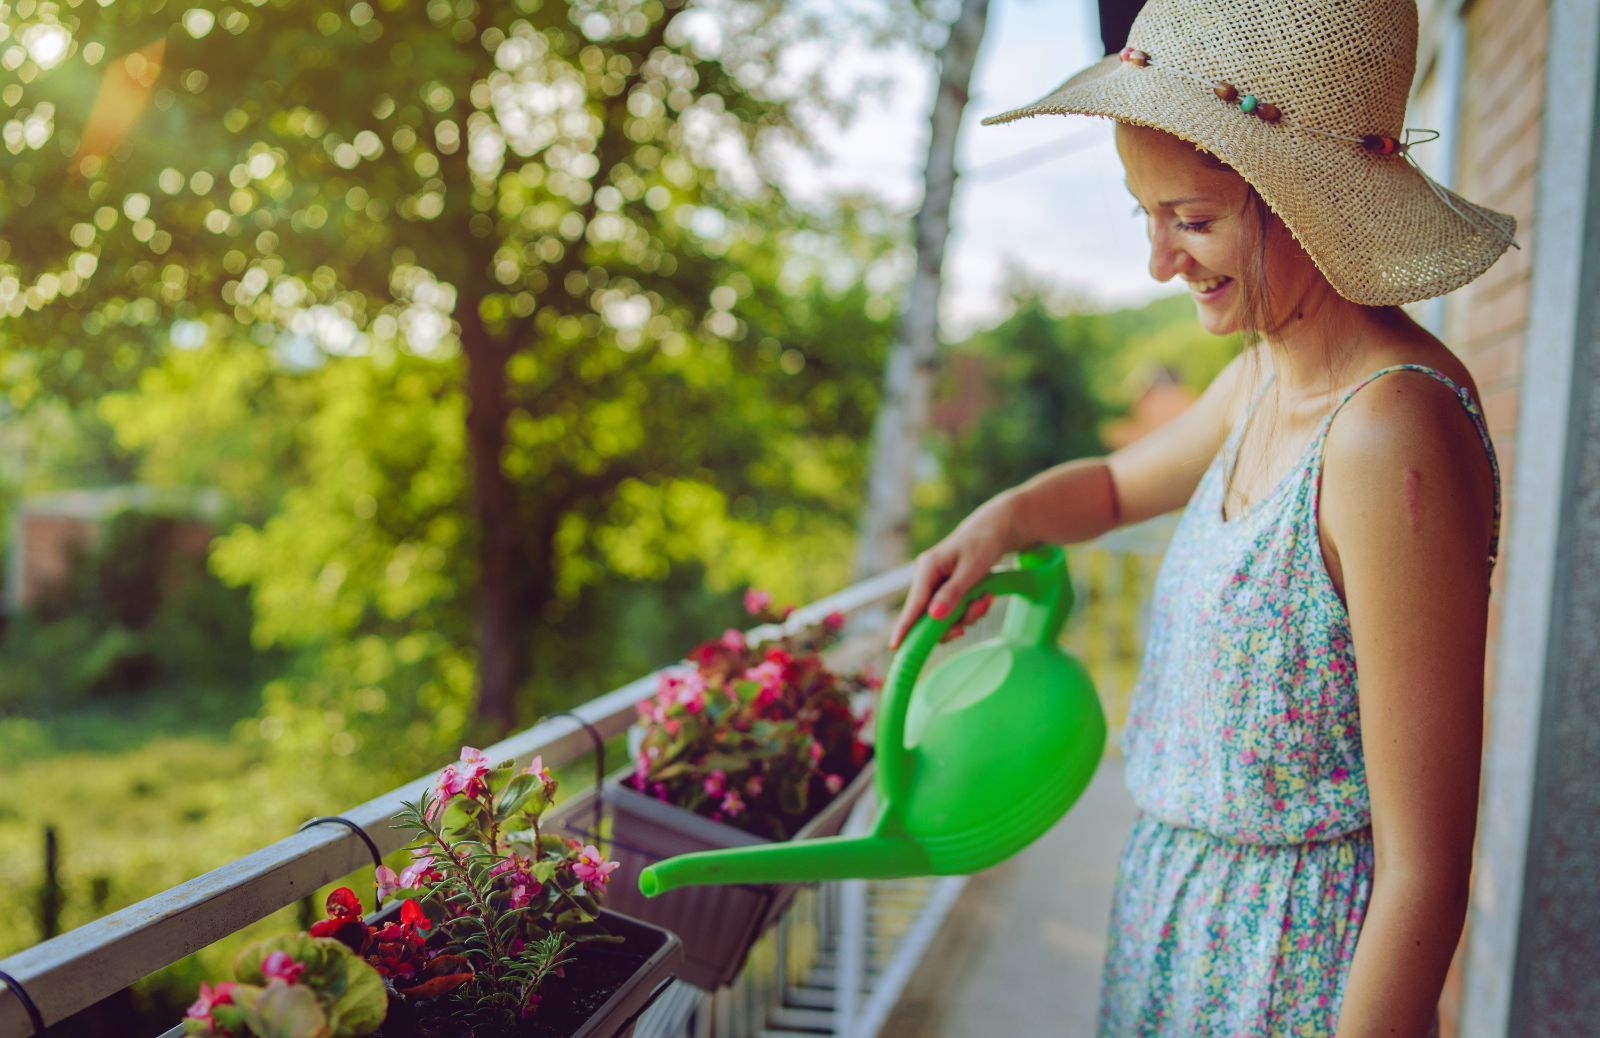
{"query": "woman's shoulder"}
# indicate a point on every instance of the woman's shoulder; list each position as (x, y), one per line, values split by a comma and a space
(1405, 439)
(1405, 344)
(1401, 410)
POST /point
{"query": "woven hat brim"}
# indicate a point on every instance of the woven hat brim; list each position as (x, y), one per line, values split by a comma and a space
(1372, 224)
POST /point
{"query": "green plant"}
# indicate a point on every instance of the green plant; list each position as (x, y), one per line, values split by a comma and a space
(293, 986)
(506, 906)
(755, 736)
(514, 901)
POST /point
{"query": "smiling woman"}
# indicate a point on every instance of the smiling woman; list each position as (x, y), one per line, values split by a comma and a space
(1299, 862)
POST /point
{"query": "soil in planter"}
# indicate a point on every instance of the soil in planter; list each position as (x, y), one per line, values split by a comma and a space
(594, 975)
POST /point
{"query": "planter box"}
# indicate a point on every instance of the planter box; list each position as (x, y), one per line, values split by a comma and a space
(718, 924)
(646, 961)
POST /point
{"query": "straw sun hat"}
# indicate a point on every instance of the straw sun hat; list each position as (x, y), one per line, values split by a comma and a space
(1306, 100)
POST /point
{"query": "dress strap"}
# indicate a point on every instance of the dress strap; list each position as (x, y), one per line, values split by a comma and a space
(1473, 410)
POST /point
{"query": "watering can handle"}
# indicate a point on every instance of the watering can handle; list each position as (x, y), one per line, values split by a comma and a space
(1041, 578)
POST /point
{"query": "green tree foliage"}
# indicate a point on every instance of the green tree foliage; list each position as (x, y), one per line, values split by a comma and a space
(1045, 410)
(1052, 380)
(554, 317)
(137, 611)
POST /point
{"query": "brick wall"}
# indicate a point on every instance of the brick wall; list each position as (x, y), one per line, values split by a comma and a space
(50, 543)
(1502, 101)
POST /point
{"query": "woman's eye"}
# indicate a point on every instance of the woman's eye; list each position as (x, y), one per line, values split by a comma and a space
(1198, 227)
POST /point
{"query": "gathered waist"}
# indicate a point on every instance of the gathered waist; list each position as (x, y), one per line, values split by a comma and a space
(1359, 834)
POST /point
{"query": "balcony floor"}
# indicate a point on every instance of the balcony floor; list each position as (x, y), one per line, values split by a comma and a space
(1021, 951)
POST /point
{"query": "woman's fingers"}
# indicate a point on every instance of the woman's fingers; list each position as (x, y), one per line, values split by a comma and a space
(924, 579)
(975, 611)
(967, 573)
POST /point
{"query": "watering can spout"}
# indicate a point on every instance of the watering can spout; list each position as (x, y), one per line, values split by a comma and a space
(802, 861)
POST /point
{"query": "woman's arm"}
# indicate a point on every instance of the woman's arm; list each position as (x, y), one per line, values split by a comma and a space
(1159, 472)
(1074, 501)
(1406, 516)
(1080, 500)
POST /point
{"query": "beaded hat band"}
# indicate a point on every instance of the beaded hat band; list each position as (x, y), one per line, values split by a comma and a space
(1306, 101)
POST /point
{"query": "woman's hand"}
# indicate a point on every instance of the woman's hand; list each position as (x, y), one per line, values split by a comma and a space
(950, 568)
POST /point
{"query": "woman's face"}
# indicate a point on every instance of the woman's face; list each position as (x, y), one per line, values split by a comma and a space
(1203, 230)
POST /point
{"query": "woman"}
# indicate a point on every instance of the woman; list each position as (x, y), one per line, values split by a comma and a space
(1300, 859)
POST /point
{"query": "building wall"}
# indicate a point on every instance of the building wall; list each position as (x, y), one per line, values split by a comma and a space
(1501, 105)
(49, 545)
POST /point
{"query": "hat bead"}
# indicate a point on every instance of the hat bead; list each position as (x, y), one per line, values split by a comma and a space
(1380, 144)
(1227, 92)
(1135, 57)
(1247, 103)
(1268, 113)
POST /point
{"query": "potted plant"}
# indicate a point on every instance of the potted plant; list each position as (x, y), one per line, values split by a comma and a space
(495, 928)
(745, 743)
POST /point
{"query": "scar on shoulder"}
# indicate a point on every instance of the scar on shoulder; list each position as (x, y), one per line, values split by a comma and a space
(1413, 492)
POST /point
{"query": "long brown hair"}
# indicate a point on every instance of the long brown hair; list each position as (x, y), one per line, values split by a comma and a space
(1255, 300)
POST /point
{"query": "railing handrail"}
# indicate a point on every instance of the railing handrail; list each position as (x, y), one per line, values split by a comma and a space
(82, 966)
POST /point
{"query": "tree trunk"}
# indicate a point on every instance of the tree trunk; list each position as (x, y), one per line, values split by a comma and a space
(502, 648)
(908, 377)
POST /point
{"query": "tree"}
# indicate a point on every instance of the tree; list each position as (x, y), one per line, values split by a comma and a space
(536, 217)
(1041, 374)
(908, 377)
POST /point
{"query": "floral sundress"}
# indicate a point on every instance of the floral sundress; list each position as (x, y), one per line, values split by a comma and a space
(1244, 882)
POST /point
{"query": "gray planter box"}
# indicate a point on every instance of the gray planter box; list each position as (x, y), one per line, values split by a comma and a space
(718, 924)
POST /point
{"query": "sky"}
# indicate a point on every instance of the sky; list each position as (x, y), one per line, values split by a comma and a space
(1041, 196)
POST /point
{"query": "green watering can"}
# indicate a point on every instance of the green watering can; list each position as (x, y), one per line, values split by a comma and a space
(976, 761)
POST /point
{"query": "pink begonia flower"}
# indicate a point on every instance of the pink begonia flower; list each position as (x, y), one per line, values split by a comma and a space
(752, 786)
(210, 998)
(463, 777)
(386, 880)
(833, 782)
(537, 769)
(671, 681)
(413, 875)
(524, 886)
(756, 601)
(733, 639)
(732, 803)
(716, 782)
(671, 726)
(768, 675)
(833, 621)
(685, 688)
(641, 770)
(279, 966)
(816, 752)
(660, 790)
(592, 868)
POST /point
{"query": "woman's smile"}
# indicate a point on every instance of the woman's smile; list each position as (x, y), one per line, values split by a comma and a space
(1209, 290)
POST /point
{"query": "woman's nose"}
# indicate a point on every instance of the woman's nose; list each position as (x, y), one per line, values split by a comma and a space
(1166, 259)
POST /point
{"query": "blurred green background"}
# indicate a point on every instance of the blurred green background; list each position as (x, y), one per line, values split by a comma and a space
(380, 377)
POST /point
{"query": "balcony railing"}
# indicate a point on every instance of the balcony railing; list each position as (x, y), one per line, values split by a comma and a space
(834, 964)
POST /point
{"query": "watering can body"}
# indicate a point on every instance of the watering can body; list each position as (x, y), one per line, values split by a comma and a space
(975, 760)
